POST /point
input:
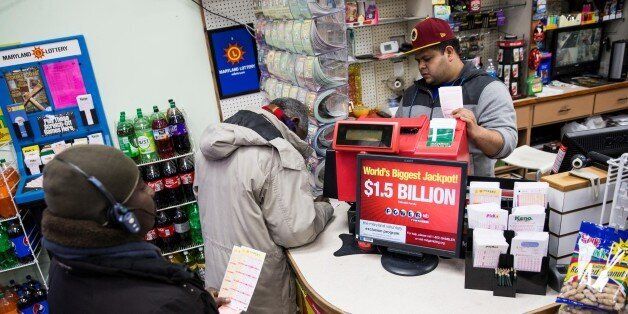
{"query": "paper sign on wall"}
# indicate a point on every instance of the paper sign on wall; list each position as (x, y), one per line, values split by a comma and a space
(65, 82)
(38, 53)
(57, 124)
(27, 88)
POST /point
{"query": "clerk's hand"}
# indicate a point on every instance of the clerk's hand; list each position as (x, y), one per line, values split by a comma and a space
(467, 116)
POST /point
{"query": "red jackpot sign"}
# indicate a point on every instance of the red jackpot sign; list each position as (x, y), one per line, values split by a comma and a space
(413, 203)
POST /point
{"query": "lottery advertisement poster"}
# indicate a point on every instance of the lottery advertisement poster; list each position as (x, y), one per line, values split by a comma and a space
(411, 201)
(234, 57)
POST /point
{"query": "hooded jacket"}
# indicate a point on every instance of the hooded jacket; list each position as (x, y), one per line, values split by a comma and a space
(253, 190)
(488, 99)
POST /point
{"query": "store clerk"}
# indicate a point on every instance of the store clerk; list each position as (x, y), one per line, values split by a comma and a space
(488, 109)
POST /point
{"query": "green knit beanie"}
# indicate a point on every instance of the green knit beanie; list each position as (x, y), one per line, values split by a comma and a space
(75, 208)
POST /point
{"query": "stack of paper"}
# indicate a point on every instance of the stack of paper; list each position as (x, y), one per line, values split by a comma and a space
(241, 277)
(529, 248)
(484, 192)
(487, 245)
(487, 216)
(527, 218)
(442, 132)
(530, 193)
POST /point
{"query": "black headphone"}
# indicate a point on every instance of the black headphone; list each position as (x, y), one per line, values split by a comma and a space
(116, 214)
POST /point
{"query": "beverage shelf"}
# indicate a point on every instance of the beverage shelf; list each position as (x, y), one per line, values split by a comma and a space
(176, 156)
(175, 206)
(187, 248)
(8, 219)
(22, 265)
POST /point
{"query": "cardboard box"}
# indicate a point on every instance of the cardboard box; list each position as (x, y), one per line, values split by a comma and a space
(566, 223)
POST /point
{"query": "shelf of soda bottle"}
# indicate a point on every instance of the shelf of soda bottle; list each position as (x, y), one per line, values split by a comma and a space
(193, 258)
(28, 297)
(183, 249)
(15, 252)
(156, 138)
(160, 160)
(177, 229)
(175, 206)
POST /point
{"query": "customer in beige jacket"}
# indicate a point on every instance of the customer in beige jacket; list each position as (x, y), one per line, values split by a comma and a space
(253, 190)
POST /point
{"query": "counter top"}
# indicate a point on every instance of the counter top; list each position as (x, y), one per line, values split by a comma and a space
(359, 284)
(569, 93)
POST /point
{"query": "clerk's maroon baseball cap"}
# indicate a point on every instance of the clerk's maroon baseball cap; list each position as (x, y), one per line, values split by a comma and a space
(430, 32)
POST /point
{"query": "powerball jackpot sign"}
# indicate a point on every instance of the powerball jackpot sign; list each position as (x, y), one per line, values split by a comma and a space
(411, 201)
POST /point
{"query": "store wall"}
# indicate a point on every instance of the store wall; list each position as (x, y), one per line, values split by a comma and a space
(143, 51)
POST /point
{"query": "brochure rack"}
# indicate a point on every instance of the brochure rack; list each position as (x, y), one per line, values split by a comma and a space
(303, 55)
(48, 91)
(486, 279)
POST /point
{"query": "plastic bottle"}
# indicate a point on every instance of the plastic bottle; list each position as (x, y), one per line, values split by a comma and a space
(154, 179)
(7, 257)
(40, 299)
(6, 305)
(24, 302)
(186, 174)
(30, 283)
(151, 236)
(200, 263)
(490, 68)
(144, 136)
(189, 262)
(7, 207)
(182, 227)
(10, 174)
(10, 295)
(14, 286)
(172, 184)
(178, 129)
(126, 138)
(165, 230)
(161, 134)
(195, 224)
(20, 243)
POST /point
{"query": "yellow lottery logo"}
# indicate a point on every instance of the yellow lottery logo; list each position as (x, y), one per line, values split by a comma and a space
(38, 53)
(234, 53)
(415, 34)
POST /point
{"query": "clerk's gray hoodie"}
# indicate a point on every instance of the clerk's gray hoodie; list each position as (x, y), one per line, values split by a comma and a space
(254, 191)
(487, 97)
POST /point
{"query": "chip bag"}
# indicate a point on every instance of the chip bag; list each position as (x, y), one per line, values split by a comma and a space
(596, 278)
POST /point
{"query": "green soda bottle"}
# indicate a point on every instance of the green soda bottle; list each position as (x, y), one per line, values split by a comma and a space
(7, 257)
(144, 137)
(195, 224)
(126, 138)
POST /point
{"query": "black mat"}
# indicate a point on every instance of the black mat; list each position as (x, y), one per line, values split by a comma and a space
(350, 246)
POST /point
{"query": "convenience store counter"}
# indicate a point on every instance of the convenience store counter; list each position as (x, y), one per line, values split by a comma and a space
(359, 284)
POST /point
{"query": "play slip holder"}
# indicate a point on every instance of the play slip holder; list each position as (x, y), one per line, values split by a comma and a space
(518, 281)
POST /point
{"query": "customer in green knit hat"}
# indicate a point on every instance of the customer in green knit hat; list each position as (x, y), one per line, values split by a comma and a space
(97, 265)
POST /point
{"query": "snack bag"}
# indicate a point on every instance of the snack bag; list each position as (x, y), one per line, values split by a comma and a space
(596, 278)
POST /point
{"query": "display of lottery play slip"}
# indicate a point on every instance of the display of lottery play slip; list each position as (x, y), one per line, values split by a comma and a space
(411, 205)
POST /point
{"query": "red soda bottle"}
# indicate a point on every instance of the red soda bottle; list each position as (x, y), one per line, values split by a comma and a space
(161, 133)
